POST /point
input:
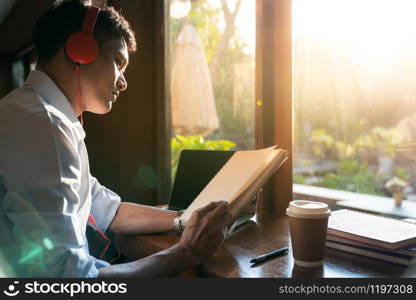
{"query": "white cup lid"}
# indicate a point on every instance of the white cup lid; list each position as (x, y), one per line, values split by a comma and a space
(308, 209)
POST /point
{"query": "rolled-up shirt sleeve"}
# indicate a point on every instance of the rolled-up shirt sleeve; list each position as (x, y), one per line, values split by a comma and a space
(105, 204)
(42, 177)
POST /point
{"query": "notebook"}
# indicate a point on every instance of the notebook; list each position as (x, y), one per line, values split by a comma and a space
(371, 229)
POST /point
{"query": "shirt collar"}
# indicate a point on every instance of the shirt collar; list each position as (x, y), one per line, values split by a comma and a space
(54, 96)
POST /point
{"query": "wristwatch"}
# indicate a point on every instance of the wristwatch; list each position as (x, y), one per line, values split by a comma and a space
(177, 222)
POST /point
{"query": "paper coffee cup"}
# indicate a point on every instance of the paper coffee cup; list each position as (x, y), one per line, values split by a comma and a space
(308, 221)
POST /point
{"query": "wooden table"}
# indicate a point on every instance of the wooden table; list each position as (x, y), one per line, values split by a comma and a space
(256, 238)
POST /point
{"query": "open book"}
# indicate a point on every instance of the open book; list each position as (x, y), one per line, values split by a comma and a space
(239, 180)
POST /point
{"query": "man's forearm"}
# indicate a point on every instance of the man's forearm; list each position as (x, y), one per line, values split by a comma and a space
(201, 238)
(165, 263)
(132, 218)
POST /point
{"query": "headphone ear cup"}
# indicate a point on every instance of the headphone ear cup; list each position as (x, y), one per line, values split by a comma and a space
(82, 48)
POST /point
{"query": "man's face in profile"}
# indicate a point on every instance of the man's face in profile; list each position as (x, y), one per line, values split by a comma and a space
(103, 80)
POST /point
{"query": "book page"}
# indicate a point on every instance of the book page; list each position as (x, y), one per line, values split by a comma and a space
(236, 176)
(257, 182)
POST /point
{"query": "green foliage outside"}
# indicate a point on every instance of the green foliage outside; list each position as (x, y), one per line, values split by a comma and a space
(378, 142)
(353, 176)
(298, 178)
(402, 174)
(356, 161)
(194, 142)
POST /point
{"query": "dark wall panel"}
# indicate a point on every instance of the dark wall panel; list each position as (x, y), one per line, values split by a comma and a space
(16, 30)
(122, 144)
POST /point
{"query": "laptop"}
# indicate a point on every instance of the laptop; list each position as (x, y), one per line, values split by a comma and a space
(195, 170)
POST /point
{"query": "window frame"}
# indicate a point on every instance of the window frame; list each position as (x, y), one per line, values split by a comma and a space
(274, 90)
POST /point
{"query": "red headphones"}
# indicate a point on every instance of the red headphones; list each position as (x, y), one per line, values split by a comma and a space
(81, 47)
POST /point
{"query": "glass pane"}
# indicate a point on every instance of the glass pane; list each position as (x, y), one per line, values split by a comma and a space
(354, 89)
(212, 75)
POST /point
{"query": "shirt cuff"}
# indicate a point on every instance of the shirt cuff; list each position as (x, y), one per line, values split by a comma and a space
(94, 271)
(104, 208)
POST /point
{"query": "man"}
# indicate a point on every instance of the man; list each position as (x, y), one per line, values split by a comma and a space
(47, 194)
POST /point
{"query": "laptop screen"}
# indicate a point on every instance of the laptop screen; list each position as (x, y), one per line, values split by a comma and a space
(195, 170)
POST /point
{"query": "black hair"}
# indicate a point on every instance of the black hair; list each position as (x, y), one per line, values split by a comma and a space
(65, 17)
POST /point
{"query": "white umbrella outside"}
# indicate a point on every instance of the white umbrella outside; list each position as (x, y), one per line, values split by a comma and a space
(192, 98)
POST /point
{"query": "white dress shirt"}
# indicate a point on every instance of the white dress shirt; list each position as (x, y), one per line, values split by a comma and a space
(46, 190)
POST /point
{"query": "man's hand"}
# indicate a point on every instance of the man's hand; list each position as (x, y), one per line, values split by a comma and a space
(204, 232)
(202, 236)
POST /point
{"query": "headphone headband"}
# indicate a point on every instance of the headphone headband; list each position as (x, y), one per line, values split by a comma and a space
(81, 47)
(90, 19)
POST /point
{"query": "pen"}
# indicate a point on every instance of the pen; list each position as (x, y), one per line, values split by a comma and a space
(270, 255)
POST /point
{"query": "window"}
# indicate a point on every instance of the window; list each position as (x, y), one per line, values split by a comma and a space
(22, 65)
(354, 90)
(212, 65)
